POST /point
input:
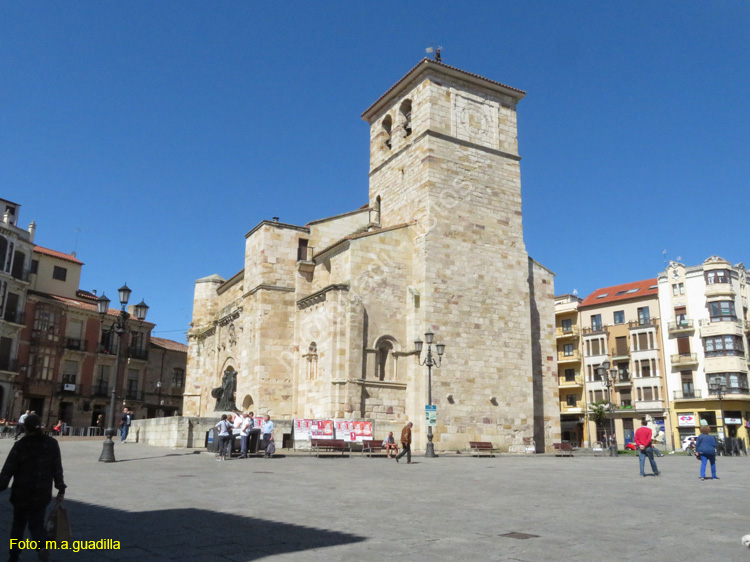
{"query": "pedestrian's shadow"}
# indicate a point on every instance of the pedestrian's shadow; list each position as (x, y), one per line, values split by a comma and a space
(175, 534)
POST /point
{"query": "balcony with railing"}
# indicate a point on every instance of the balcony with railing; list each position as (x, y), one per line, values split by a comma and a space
(622, 354)
(681, 327)
(22, 275)
(14, 316)
(569, 357)
(107, 348)
(134, 394)
(100, 389)
(8, 364)
(75, 344)
(649, 405)
(38, 387)
(642, 323)
(570, 408)
(595, 330)
(623, 380)
(138, 353)
(575, 382)
(684, 359)
(568, 332)
(687, 394)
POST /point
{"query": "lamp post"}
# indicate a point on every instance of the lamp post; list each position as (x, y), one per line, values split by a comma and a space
(605, 373)
(720, 390)
(121, 327)
(431, 362)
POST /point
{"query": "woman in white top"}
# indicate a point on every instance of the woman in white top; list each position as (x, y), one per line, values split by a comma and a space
(225, 438)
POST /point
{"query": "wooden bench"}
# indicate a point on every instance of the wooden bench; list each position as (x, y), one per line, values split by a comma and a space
(370, 446)
(479, 447)
(329, 446)
(563, 449)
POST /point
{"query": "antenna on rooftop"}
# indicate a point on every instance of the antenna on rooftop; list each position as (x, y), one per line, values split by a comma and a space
(77, 230)
(432, 49)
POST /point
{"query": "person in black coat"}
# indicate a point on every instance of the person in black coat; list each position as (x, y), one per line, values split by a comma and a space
(33, 463)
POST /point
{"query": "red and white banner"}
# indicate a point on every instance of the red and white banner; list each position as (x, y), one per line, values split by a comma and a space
(353, 431)
(304, 430)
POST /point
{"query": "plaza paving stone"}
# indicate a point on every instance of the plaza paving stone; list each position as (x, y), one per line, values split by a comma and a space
(175, 504)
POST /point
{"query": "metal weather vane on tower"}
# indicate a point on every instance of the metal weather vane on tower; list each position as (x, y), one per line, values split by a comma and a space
(437, 50)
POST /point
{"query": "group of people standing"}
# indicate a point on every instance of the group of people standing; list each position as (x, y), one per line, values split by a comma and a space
(244, 424)
(705, 450)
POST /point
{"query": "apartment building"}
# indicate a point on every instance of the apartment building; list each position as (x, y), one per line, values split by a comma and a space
(706, 347)
(16, 247)
(569, 371)
(619, 326)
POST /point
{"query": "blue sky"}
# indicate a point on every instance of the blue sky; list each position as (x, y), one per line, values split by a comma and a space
(150, 137)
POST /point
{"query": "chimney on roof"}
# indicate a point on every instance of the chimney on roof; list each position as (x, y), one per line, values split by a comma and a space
(94, 292)
(275, 219)
(73, 253)
(32, 231)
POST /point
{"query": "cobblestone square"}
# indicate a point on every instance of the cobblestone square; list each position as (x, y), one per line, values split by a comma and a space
(177, 504)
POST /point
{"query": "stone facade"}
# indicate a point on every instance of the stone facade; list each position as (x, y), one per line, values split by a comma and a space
(321, 320)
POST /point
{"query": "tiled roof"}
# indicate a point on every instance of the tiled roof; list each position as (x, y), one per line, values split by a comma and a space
(627, 291)
(56, 254)
(86, 294)
(169, 345)
(83, 305)
(429, 62)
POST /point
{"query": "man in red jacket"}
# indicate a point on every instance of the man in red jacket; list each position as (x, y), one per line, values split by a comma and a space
(643, 442)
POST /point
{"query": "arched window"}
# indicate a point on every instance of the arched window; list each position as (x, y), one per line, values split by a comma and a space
(377, 209)
(405, 111)
(384, 370)
(387, 125)
(247, 403)
(312, 361)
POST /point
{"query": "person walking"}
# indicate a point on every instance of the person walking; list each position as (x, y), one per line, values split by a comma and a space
(406, 443)
(643, 436)
(19, 425)
(705, 450)
(125, 419)
(33, 463)
(224, 427)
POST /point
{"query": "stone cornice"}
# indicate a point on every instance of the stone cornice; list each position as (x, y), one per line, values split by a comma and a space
(380, 384)
(278, 225)
(449, 138)
(320, 296)
(223, 321)
(263, 287)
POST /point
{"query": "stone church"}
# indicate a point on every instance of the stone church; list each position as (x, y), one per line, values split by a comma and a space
(320, 321)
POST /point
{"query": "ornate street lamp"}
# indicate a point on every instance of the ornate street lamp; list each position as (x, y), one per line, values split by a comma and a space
(121, 327)
(431, 362)
(718, 388)
(609, 383)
